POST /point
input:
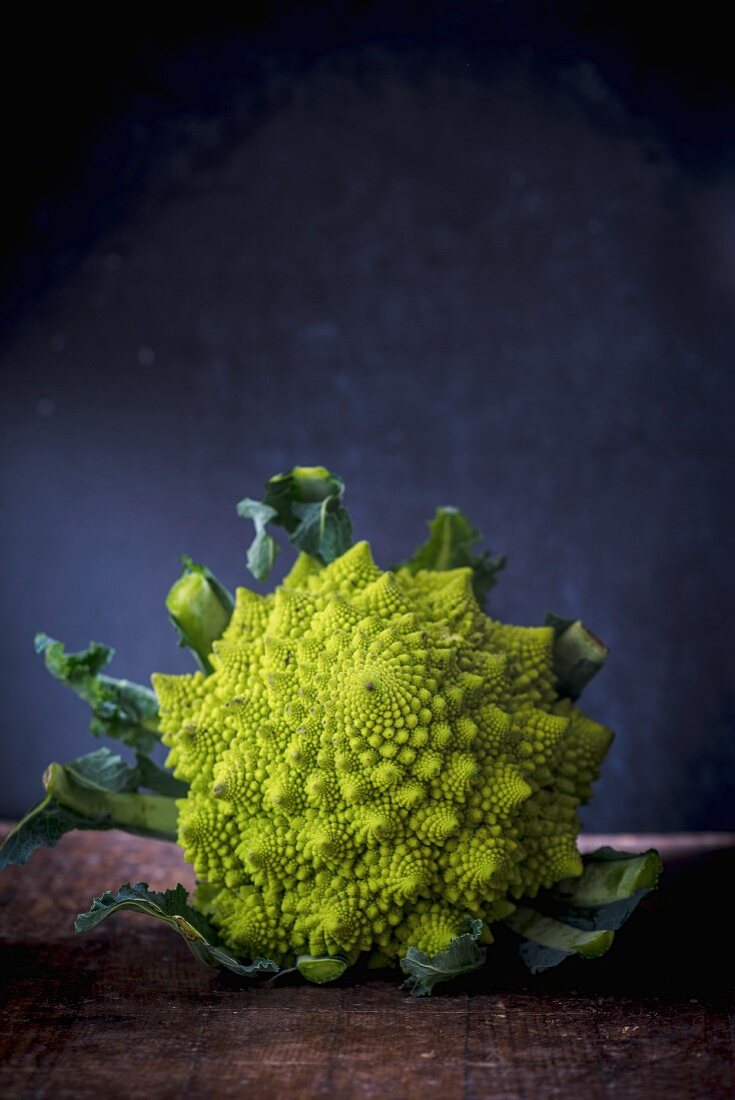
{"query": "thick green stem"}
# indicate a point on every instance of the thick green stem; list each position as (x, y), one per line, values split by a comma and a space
(558, 936)
(153, 725)
(144, 814)
(578, 656)
(321, 969)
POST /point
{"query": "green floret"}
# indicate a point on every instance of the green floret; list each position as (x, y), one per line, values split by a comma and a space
(374, 761)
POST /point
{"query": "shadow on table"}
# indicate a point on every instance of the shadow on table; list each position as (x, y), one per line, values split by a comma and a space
(675, 943)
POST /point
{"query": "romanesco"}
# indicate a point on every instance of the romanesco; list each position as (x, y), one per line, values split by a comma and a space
(373, 761)
(365, 764)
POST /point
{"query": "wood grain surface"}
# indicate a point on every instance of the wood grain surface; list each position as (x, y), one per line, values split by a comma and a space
(126, 1010)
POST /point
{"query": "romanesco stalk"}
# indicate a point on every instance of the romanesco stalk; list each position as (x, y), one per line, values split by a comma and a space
(146, 814)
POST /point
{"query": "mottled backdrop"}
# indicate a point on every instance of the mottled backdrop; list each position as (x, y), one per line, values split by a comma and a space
(471, 254)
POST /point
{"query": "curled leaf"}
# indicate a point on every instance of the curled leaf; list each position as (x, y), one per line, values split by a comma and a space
(172, 907)
(461, 956)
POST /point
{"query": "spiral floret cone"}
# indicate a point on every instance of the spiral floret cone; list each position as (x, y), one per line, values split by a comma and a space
(372, 761)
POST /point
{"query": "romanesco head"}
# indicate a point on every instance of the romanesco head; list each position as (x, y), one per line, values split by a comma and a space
(372, 761)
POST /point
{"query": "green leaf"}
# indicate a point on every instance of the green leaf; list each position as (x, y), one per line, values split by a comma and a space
(264, 549)
(104, 770)
(324, 530)
(450, 545)
(610, 875)
(578, 654)
(94, 792)
(172, 907)
(42, 827)
(461, 956)
(549, 941)
(307, 503)
(160, 780)
(121, 710)
(581, 915)
(200, 609)
(608, 890)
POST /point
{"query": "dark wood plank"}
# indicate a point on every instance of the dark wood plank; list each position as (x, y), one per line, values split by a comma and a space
(126, 1009)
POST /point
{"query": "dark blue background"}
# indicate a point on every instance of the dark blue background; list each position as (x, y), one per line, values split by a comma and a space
(480, 255)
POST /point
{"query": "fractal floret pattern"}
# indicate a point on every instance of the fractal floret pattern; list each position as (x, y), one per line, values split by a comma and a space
(373, 761)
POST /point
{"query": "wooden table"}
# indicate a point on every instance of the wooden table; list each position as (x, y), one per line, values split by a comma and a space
(126, 1011)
